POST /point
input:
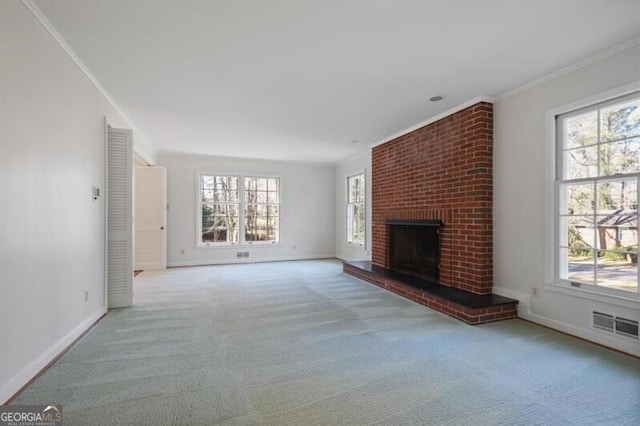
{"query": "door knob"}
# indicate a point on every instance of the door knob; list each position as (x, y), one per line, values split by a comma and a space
(162, 228)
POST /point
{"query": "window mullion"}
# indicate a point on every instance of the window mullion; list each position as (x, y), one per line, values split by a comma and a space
(241, 209)
(595, 227)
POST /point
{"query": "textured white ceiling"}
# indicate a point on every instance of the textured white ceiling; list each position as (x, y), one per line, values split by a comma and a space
(298, 80)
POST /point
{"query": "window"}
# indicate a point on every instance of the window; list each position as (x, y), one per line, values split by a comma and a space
(597, 180)
(262, 205)
(355, 209)
(232, 213)
(219, 202)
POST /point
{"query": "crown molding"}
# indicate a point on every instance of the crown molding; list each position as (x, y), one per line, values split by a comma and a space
(573, 67)
(434, 119)
(44, 21)
(211, 157)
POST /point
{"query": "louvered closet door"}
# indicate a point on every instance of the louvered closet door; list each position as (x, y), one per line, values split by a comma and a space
(119, 218)
(150, 217)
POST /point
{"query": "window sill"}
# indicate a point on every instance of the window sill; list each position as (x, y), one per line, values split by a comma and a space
(236, 246)
(618, 300)
(356, 245)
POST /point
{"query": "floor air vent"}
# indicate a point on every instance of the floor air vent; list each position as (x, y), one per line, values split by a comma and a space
(240, 254)
(617, 325)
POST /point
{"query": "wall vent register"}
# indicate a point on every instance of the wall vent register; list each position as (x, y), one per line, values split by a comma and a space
(618, 325)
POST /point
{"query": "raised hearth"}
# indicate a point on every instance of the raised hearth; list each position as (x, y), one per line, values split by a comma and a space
(466, 306)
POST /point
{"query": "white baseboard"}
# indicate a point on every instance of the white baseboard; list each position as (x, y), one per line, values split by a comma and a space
(206, 262)
(622, 344)
(30, 371)
(619, 343)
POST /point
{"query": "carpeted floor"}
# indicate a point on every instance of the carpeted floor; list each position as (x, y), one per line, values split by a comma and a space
(299, 343)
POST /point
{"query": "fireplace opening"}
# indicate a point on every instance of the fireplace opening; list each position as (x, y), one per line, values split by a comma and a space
(414, 248)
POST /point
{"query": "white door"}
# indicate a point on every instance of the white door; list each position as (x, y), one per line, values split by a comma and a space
(119, 189)
(150, 201)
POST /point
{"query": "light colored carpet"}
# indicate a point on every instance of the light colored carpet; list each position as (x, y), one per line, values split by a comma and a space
(299, 343)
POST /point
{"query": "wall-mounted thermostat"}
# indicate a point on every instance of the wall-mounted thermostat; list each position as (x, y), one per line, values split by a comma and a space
(95, 193)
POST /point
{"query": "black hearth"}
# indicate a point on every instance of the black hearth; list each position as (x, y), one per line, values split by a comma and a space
(414, 248)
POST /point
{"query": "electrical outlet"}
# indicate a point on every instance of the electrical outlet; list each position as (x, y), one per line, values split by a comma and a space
(181, 251)
(86, 295)
(534, 291)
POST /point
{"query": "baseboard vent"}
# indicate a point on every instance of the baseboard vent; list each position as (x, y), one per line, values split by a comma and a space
(617, 325)
(241, 254)
(627, 327)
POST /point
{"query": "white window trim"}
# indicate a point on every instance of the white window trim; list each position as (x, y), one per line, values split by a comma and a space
(551, 238)
(199, 245)
(362, 245)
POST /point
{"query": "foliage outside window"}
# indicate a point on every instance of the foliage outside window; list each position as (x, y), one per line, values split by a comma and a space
(262, 205)
(232, 213)
(220, 207)
(597, 179)
(355, 209)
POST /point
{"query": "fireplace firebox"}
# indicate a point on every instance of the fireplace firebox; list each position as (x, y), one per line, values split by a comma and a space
(414, 248)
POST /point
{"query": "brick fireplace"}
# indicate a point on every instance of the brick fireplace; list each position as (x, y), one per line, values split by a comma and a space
(441, 172)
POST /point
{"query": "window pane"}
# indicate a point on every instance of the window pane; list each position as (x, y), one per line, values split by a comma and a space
(219, 223)
(355, 188)
(577, 199)
(219, 189)
(581, 130)
(618, 270)
(616, 197)
(620, 157)
(581, 163)
(359, 188)
(355, 223)
(615, 237)
(207, 195)
(620, 121)
(578, 235)
(358, 226)
(207, 182)
(581, 268)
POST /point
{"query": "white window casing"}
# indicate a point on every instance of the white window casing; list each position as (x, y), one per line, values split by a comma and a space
(237, 209)
(591, 198)
(355, 209)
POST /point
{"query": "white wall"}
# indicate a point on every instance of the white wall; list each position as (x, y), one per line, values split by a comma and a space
(51, 232)
(519, 201)
(344, 250)
(307, 220)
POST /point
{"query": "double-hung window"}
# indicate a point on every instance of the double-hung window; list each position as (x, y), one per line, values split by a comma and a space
(597, 182)
(219, 204)
(261, 209)
(355, 209)
(239, 209)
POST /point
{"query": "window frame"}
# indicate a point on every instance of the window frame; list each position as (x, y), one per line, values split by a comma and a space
(555, 180)
(242, 242)
(348, 204)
